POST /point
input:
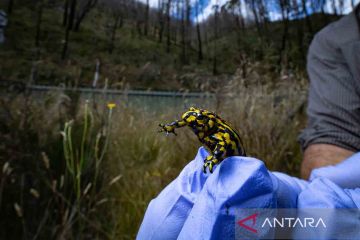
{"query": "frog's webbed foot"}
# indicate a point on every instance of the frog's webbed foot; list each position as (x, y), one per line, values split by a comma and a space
(167, 129)
(210, 162)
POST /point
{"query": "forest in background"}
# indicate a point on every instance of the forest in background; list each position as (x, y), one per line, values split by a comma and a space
(171, 47)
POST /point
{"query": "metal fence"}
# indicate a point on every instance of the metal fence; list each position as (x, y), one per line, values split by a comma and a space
(147, 100)
(151, 101)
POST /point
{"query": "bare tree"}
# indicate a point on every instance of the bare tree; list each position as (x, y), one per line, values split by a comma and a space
(72, 14)
(183, 32)
(10, 6)
(85, 6)
(117, 11)
(187, 29)
(147, 15)
(285, 10)
(198, 32)
(341, 6)
(254, 8)
(40, 7)
(161, 19)
(298, 12)
(263, 16)
(307, 17)
(168, 22)
(239, 27)
(69, 26)
(216, 20)
(334, 7)
(66, 12)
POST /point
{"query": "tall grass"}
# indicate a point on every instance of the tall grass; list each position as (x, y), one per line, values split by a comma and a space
(268, 117)
(68, 174)
(53, 183)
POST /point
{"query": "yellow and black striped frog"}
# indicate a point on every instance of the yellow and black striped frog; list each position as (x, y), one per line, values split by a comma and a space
(217, 135)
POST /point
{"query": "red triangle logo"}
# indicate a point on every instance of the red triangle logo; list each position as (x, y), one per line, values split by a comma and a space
(251, 218)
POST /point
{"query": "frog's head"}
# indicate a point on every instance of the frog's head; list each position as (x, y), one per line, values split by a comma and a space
(199, 119)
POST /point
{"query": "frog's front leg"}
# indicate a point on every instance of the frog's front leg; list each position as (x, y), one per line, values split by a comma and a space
(216, 158)
(170, 127)
(210, 162)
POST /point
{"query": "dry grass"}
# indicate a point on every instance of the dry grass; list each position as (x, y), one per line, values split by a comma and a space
(269, 119)
(138, 163)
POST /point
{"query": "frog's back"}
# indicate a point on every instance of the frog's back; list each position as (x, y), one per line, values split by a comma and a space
(237, 148)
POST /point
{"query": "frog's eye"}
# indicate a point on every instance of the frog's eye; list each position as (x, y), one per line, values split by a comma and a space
(201, 117)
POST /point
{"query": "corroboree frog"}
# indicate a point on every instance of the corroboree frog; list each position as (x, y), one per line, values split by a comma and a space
(218, 136)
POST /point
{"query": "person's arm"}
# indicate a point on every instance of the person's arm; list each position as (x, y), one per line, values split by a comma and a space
(333, 130)
(320, 155)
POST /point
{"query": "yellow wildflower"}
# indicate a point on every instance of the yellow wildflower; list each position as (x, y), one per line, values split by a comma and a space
(111, 105)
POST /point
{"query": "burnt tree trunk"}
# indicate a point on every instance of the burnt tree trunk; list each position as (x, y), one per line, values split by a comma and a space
(168, 22)
(90, 4)
(68, 28)
(117, 24)
(10, 6)
(183, 36)
(146, 24)
(161, 20)
(256, 17)
(284, 5)
(200, 50)
(40, 8)
(215, 70)
(66, 13)
(307, 17)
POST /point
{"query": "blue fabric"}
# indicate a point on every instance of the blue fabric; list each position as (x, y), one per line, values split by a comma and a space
(323, 193)
(197, 204)
(338, 207)
(166, 214)
(236, 183)
(287, 189)
(345, 174)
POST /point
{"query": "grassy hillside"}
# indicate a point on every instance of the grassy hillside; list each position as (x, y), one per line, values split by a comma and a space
(138, 61)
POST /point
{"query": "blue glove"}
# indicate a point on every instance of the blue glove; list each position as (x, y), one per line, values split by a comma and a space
(345, 174)
(212, 200)
(337, 207)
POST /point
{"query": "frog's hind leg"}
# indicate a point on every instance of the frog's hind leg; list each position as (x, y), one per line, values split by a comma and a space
(216, 158)
(210, 162)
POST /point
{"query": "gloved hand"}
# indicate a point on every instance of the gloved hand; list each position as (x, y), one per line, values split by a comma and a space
(345, 174)
(337, 207)
(207, 205)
